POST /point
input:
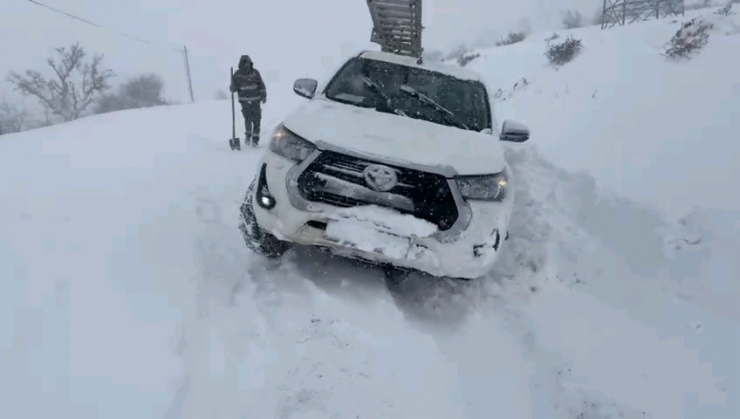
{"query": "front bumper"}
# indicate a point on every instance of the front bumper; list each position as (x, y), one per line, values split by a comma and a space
(467, 250)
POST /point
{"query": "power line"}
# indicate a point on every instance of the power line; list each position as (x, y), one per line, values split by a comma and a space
(182, 50)
(97, 25)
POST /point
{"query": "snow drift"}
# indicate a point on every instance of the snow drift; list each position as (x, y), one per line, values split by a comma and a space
(643, 125)
(128, 292)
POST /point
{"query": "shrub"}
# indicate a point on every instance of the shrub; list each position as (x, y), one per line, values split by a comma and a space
(139, 92)
(572, 19)
(466, 58)
(564, 52)
(457, 53)
(726, 10)
(12, 118)
(552, 37)
(689, 39)
(512, 38)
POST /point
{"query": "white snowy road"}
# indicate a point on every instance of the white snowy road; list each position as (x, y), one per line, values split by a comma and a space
(133, 283)
(127, 291)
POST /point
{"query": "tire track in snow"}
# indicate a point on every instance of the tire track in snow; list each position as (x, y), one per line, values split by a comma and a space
(519, 272)
(236, 319)
(298, 338)
(209, 347)
(541, 229)
(228, 272)
(602, 264)
(249, 307)
(488, 317)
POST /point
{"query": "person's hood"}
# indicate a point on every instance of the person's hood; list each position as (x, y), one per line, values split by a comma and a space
(245, 61)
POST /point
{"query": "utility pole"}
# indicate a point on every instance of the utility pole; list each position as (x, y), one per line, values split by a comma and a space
(187, 71)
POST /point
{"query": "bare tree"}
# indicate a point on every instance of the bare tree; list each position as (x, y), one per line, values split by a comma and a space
(74, 86)
(512, 38)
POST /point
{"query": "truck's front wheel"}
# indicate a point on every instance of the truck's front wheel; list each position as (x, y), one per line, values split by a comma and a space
(257, 239)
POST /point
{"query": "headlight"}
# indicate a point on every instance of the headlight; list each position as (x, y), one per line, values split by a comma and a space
(484, 187)
(289, 145)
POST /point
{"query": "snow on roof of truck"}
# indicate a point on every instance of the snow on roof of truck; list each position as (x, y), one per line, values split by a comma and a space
(446, 69)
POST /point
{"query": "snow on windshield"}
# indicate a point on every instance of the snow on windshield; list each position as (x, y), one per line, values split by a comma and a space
(467, 100)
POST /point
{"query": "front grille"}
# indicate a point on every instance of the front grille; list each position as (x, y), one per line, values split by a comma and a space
(338, 179)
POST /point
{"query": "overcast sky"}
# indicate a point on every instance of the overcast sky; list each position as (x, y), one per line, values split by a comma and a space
(287, 38)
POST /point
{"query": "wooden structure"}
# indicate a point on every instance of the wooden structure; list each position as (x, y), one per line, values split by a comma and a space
(397, 26)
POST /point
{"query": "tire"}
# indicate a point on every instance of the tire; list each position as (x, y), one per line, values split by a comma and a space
(258, 240)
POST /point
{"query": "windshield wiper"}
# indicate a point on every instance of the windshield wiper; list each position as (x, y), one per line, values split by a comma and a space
(422, 98)
(379, 93)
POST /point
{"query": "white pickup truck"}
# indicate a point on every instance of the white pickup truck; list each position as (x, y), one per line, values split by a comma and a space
(390, 161)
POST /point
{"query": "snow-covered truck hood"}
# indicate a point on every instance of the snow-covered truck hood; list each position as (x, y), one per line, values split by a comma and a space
(399, 138)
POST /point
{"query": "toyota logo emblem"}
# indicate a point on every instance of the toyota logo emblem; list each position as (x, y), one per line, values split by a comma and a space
(380, 178)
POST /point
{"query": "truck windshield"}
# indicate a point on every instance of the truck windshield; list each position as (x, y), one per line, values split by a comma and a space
(412, 92)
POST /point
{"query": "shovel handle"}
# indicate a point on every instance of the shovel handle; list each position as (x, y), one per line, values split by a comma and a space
(233, 112)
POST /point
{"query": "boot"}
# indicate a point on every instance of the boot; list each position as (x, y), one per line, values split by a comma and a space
(255, 140)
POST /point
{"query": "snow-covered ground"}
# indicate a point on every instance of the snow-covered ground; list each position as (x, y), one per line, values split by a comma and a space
(127, 290)
(644, 126)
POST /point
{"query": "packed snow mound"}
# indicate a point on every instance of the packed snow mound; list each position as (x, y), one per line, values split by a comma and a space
(660, 131)
(387, 220)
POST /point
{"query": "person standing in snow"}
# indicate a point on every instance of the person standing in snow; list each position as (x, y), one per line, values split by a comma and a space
(247, 81)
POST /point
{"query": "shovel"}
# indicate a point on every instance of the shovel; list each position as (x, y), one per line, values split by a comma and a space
(234, 141)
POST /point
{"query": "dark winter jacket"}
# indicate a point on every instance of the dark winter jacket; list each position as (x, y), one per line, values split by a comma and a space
(248, 82)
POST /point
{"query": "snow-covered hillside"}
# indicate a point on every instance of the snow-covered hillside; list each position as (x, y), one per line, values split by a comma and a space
(127, 290)
(645, 126)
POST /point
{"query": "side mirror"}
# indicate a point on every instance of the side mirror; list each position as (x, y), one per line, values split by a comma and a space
(305, 87)
(514, 132)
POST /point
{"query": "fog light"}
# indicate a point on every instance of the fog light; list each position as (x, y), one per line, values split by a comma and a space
(267, 202)
(264, 199)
